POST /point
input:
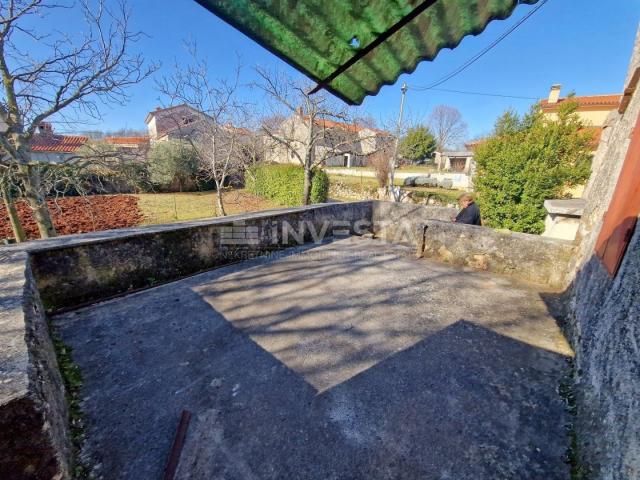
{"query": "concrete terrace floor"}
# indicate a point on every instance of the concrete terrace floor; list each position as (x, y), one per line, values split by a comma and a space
(346, 360)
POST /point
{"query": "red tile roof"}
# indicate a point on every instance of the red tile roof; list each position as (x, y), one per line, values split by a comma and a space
(349, 127)
(606, 102)
(127, 140)
(57, 143)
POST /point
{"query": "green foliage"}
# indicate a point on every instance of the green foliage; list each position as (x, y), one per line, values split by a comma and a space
(418, 144)
(173, 165)
(319, 187)
(284, 183)
(529, 160)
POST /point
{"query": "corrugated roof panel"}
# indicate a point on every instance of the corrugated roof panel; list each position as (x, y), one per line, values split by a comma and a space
(318, 37)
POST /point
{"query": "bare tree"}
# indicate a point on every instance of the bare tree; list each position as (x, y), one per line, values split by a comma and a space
(223, 147)
(68, 81)
(308, 129)
(381, 163)
(448, 127)
(7, 184)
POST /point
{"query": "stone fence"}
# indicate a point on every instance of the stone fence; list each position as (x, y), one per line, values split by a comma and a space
(430, 230)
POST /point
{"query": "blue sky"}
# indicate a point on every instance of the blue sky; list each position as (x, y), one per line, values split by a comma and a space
(583, 44)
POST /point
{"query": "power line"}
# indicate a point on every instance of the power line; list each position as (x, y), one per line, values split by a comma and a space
(480, 54)
(483, 94)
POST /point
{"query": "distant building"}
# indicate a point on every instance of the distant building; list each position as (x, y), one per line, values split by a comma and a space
(342, 145)
(133, 143)
(49, 147)
(183, 122)
(593, 110)
(455, 161)
(172, 123)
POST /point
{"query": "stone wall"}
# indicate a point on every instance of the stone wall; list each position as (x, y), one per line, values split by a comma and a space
(604, 320)
(527, 257)
(88, 268)
(403, 222)
(34, 439)
(430, 230)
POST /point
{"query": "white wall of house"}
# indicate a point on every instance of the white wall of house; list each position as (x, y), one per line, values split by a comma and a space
(51, 157)
(357, 145)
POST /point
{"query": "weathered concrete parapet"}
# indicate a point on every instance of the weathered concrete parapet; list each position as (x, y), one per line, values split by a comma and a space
(87, 268)
(34, 440)
(431, 231)
(403, 222)
(528, 257)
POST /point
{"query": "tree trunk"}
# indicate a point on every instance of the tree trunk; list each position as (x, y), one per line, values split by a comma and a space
(37, 201)
(306, 190)
(18, 232)
(220, 204)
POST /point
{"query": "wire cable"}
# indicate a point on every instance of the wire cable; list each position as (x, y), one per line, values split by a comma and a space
(483, 94)
(480, 54)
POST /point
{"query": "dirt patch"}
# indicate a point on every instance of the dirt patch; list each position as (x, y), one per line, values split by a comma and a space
(78, 215)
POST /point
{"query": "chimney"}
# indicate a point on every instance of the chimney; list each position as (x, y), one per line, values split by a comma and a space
(554, 94)
(45, 128)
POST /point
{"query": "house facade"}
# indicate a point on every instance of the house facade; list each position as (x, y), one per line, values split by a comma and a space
(49, 147)
(173, 123)
(592, 110)
(341, 144)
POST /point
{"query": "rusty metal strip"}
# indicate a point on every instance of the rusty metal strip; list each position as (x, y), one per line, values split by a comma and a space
(176, 448)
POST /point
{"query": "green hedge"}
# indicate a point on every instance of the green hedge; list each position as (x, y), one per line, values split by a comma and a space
(284, 183)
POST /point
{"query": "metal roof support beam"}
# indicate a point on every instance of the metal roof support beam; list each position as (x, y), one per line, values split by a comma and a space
(373, 45)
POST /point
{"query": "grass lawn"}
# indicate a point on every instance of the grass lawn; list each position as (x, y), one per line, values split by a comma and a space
(174, 207)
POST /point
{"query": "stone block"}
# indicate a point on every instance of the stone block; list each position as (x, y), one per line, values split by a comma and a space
(34, 438)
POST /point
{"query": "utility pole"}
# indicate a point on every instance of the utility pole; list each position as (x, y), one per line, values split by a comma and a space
(394, 159)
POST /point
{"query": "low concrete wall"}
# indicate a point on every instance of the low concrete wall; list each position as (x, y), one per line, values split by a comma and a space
(528, 257)
(74, 270)
(403, 222)
(34, 438)
(431, 231)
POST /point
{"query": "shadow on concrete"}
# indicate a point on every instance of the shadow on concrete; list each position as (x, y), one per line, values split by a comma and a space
(315, 386)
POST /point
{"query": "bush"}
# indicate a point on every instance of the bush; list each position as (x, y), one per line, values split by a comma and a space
(527, 161)
(418, 144)
(173, 165)
(284, 183)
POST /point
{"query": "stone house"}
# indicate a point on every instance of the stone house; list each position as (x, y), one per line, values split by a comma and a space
(341, 145)
(49, 147)
(593, 110)
(172, 123)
